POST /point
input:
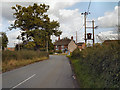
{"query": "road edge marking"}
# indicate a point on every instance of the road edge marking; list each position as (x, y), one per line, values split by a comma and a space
(22, 82)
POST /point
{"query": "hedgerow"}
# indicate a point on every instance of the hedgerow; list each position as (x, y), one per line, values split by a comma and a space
(100, 64)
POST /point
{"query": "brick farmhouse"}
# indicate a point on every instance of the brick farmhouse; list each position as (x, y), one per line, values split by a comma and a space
(67, 45)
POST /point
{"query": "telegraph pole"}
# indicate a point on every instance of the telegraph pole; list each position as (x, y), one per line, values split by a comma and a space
(76, 36)
(93, 28)
(93, 33)
(85, 27)
(85, 16)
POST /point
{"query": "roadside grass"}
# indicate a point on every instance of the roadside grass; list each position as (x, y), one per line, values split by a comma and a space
(97, 67)
(84, 76)
(13, 64)
(15, 59)
(60, 54)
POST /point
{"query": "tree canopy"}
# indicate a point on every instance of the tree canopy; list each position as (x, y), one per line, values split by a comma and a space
(35, 24)
(4, 40)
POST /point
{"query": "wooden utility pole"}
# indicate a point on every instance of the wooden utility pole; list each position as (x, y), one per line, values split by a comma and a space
(85, 15)
(93, 33)
(47, 37)
(85, 28)
(76, 36)
(93, 27)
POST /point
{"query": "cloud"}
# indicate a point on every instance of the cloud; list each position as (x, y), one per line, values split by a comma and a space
(55, 5)
(12, 37)
(7, 11)
(70, 20)
(110, 19)
(108, 35)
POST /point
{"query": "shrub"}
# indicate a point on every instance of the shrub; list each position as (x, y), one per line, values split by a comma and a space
(51, 52)
(59, 51)
(100, 65)
(76, 53)
(23, 54)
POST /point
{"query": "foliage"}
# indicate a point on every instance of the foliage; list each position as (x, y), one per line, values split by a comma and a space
(58, 51)
(30, 45)
(51, 52)
(99, 66)
(18, 47)
(23, 54)
(4, 40)
(35, 24)
(50, 45)
(16, 59)
(76, 53)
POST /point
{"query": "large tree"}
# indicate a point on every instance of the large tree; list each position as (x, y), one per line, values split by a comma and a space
(35, 24)
(4, 40)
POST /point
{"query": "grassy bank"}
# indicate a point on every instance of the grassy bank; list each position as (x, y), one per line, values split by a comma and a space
(97, 67)
(16, 59)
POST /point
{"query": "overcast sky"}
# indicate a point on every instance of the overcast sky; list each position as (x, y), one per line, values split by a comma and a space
(68, 13)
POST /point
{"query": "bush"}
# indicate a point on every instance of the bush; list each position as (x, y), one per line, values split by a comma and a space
(51, 52)
(76, 53)
(59, 51)
(23, 54)
(98, 66)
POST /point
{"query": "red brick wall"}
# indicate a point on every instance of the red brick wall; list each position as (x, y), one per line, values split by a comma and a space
(54, 47)
(60, 47)
(83, 46)
(66, 47)
(11, 49)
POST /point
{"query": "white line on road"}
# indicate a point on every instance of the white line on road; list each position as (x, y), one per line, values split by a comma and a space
(23, 82)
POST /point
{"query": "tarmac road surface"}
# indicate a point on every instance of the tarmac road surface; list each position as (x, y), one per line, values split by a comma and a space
(55, 72)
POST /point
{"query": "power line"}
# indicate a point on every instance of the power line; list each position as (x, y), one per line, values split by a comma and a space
(82, 27)
(85, 16)
(89, 6)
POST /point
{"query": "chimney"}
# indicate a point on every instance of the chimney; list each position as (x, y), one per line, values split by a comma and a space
(58, 38)
(72, 38)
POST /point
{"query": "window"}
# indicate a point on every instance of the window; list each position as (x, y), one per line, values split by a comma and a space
(56, 46)
(62, 46)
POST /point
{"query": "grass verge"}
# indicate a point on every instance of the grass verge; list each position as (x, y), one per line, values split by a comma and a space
(13, 64)
(15, 59)
(85, 78)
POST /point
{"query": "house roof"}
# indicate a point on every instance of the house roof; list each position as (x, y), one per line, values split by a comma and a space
(62, 42)
(80, 44)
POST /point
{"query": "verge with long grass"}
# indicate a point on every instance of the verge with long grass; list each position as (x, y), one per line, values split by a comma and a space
(15, 59)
